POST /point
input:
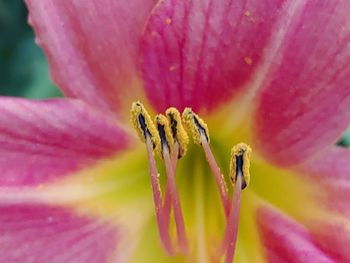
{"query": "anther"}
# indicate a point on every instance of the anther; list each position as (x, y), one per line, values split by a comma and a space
(143, 124)
(179, 134)
(240, 163)
(195, 125)
(165, 134)
(169, 139)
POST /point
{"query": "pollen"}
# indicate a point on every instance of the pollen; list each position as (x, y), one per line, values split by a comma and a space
(178, 131)
(168, 21)
(143, 124)
(247, 13)
(248, 60)
(172, 68)
(165, 134)
(240, 163)
(195, 125)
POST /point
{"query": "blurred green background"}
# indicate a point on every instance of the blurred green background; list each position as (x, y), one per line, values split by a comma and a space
(23, 67)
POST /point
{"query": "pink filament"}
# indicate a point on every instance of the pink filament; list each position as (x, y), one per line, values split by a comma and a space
(167, 200)
(157, 198)
(231, 231)
(174, 196)
(217, 174)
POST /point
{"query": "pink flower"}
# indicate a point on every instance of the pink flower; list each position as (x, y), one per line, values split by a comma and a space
(275, 74)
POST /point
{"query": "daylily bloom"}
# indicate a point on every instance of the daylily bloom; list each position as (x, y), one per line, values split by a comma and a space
(274, 74)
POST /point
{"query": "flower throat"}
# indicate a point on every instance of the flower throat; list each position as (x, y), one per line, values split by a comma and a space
(168, 137)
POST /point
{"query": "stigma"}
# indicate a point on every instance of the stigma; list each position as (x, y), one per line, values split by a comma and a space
(168, 138)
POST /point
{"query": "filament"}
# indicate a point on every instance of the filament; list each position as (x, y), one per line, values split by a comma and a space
(231, 231)
(167, 199)
(157, 198)
(174, 196)
(217, 175)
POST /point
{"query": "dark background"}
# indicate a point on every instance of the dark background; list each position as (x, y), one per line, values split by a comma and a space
(23, 67)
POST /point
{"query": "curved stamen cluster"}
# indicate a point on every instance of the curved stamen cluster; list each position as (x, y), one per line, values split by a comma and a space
(167, 137)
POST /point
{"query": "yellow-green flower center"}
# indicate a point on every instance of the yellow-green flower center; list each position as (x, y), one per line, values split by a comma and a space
(170, 141)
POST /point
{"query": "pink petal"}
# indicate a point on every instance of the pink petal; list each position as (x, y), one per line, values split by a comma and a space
(41, 140)
(286, 241)
(334, 239)
(331, 170)
(41, 234)
(92, 46)
(200, 53)
(305, 102)
(332, 165)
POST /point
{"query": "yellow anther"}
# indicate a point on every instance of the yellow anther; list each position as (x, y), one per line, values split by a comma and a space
(165, 134)
(240, 163)
(143, 123)
(178, 131)
(195, 125)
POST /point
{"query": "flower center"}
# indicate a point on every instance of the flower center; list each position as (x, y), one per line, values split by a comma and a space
(168, 137)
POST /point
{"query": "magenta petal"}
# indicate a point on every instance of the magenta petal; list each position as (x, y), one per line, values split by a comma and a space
(92, 46)
(305, 103)
(42, 234)
(286, 241)
(334, 239)
(332, 165)
(200, 53)
(41, 140)
(331, 170)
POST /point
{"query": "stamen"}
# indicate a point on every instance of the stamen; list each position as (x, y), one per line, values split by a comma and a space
(230, 237)
(165, 134)
(166, 146)
(169, 140)
(179, 150)
(179, 133)
(167, 199)
(195, 125)
(148, 134)
(240, 163)
(239, 173)
(174, 196)
(163, 129)
(143, 123)
(200, 133)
